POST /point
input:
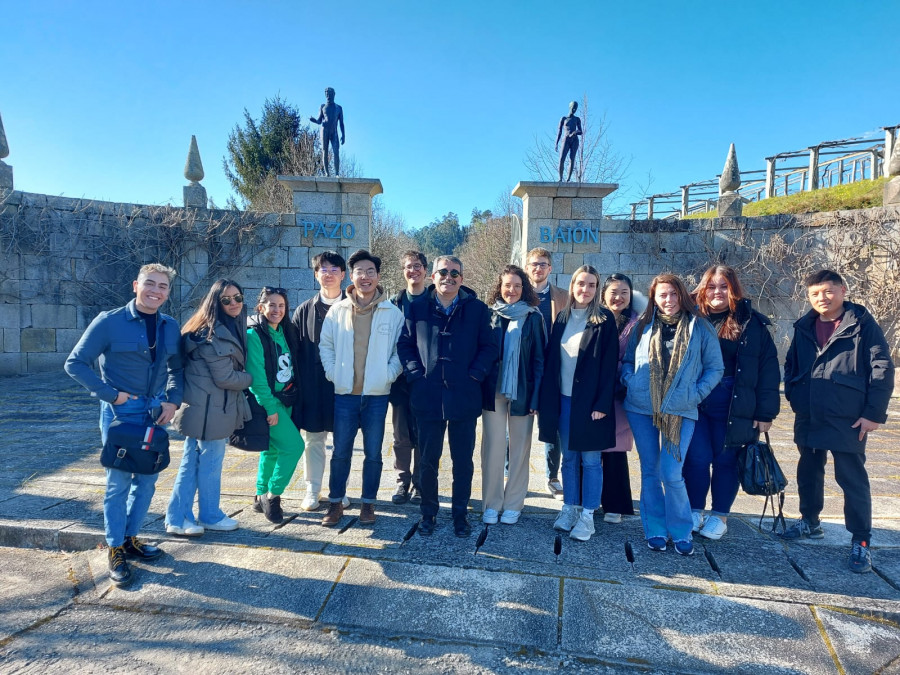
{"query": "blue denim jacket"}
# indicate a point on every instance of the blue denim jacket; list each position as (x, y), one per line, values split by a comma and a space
(117, 339)
(700, 371)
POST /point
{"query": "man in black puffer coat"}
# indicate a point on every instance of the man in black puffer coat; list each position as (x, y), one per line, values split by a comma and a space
(838, 378)
(448, 351)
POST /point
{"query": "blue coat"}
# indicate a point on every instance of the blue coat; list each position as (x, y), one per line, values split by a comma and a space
(699, 373)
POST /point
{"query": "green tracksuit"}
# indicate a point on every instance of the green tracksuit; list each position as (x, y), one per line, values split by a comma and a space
(277, 464)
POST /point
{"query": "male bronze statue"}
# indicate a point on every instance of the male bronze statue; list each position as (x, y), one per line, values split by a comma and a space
(572, 125)
(331, 115)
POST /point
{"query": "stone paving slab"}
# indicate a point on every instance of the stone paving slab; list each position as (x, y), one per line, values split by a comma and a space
(691, 632)
(26, 597)
(439, 602)
(261, 584)
(826, 569)
(861, 645)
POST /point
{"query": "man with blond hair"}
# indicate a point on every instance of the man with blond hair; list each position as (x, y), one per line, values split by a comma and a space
(138, 350)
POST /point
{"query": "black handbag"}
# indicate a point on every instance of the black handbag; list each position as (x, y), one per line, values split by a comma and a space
(760, 475)
(254, 435)
(135, 448)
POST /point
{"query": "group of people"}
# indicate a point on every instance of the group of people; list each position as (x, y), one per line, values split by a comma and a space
(686, 377)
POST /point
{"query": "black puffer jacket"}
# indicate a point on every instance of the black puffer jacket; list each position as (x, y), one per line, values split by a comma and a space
(448, 360)
(756, 377)
(531, 362)
(852, 376)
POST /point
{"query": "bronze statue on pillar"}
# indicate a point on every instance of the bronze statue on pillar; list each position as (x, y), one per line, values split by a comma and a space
(572, 125)
(331, 116)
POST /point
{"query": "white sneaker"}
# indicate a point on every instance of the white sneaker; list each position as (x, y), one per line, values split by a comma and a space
(310, 501)
(714, 528)
(584, 528)
(346, 501)
(510, 517)
(187, 529)
(699, 519)
(568, 516)
(225, 525)
(612, 517)
(555, 488)
(489, 517)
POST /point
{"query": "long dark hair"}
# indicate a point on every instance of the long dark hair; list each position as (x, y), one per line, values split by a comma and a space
(628, 311)
(730, 328)
(271, 290)
(203, 321)
(684, 298)
(528, 294)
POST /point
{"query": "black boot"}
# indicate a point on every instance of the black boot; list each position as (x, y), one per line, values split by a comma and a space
(135, 548)
(119, 571)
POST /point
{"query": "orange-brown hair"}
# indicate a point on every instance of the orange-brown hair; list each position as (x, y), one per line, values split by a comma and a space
(730, 328)
(684, 298)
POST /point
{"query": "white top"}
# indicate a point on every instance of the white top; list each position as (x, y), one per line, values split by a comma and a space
(329, 301)
(568, 349)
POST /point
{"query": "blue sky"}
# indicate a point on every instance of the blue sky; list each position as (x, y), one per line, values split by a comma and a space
(441, 100)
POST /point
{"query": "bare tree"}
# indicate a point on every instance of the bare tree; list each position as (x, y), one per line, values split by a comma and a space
(389, 240)
(596, 160)
(488, 245)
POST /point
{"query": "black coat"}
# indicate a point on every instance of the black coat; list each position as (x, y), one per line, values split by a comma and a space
(448, 359)
(531, 362)
(315, 410)
(757, 377)
(593, 386)
(400, 387)
(830, 389)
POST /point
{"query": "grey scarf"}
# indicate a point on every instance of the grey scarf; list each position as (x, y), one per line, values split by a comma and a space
(509, 366)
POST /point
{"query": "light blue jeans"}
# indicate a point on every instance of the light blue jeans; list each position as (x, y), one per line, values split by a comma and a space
(662, 514)
(128, 495)
(582, 472)
(200, 472)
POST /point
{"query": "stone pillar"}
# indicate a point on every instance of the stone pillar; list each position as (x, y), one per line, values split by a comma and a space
(770, 177)
(892, 169)
(561, 217)
(333, 212)
(813, 182)
(730, 202)
(685, 199)
(6, 172)
(194, 194)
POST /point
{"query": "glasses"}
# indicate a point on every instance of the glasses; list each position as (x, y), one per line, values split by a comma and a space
(330, 270)
(359, 272)
(539, 265)
(454, 274)
(269, 290)
(416, 267)
(228, 299)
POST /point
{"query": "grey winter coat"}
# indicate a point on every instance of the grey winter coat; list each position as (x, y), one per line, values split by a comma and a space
(214, 380)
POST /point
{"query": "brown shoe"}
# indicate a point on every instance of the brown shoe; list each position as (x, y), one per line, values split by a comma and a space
(334, 515)
(367, 514)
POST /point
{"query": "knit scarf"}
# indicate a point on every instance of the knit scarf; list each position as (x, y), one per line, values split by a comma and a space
(669, 425)
(509, 366)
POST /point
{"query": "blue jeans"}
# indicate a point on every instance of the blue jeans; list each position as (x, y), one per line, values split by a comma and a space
(582, 472)
(352, 413)
(708, 449)
(128, 495)
(669, 514)
(200, 472)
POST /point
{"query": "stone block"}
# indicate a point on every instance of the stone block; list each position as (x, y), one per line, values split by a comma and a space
(194, 196)
(297, 279)
(276, 256)
(537, 207)
(10, 315)
(38, 340)
(52, 316)
(45, 363)
(12, 363)
(605, 262)
(616, 242)
(571, 262)
(356, 204)
(562, 280)
(557, 261)
(84, 315)
(317, 202)
(562, 208)
(256, 277)
(298, 256)
(634, 263)
(66, 338)
(892, 191)
(730, 205)
(583, 207)
(6, 176)
(35, 267)
(292, 235)
(304, 294)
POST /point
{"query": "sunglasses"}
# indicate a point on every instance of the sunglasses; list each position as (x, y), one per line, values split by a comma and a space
(228, 299)
(268, 290)
(454, 274)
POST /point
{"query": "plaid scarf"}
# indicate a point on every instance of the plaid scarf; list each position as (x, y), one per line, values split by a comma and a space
(661, 380)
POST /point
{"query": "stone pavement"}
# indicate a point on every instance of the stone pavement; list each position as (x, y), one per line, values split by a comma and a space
(356, 598)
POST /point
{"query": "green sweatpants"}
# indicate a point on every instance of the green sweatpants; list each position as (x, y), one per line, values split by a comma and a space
(277, 464)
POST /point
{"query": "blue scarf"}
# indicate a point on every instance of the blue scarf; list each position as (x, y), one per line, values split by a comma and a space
(517, 313)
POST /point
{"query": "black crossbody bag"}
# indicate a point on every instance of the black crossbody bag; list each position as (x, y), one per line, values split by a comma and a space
(760, 475)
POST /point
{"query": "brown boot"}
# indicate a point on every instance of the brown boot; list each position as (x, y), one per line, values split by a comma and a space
(367, 514)
(334, 515)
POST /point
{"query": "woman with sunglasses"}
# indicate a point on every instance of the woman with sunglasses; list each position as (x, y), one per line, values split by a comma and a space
(577, 398)
(214, 346)
(272, 342)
